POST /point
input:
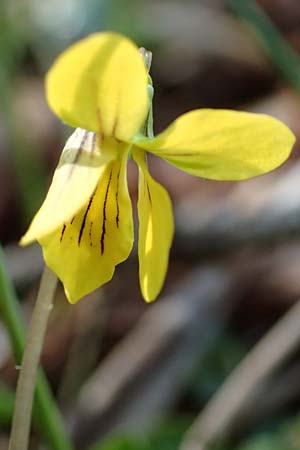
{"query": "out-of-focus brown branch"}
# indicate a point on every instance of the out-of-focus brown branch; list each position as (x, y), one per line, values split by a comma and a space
(224, 408)
(141, 377)
(24, 265)
(273, 396)
(257, 213)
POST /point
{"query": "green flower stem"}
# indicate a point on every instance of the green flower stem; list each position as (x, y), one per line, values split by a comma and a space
(45, 412)
(278, 49)
(26, 383)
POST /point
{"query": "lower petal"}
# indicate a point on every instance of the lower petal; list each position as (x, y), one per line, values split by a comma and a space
(156, 229)
(85, 250)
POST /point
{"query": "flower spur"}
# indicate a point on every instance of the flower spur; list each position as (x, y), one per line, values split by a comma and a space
(100, 85)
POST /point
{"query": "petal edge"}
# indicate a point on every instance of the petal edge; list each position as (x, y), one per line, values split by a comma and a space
(156, 229)
(223, 144)
(100, 84)
(84, 251)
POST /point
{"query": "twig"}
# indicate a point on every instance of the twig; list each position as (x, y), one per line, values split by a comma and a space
(223, 409)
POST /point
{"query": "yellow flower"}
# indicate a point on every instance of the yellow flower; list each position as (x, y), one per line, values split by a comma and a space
(85, 225)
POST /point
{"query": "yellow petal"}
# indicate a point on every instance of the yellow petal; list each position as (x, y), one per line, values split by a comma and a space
(223, 144)
(75, 179)
(84, 251)
(100, 83)
(156, 229)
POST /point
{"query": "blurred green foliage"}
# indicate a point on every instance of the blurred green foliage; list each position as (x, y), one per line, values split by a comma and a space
(6, 405)
(285, 438)
(169, 434)
(166, 436)
(214, 367)
(277, 48)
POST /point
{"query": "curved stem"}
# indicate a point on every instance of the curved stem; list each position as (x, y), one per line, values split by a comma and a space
(45, 412)
(26, 383)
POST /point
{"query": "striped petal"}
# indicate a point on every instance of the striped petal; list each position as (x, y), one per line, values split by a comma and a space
(75, 179)
(84, 251)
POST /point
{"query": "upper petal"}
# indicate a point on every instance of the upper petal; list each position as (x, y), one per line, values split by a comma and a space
(223, 144)
(84, 251)
(75, 179)
(100, 83)
(156, 229)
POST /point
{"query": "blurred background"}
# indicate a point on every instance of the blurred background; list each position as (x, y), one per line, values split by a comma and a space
(131, 376)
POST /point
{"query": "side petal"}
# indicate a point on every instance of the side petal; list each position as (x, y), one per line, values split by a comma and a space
(100, 83)
(84, 251)
(156, 229)
(223, 144)
(75, 179)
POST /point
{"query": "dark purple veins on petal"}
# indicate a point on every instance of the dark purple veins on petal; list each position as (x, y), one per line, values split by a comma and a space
(104, 214)
(84, 219)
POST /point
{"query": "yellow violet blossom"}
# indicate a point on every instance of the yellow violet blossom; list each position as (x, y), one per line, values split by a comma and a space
(85, 226)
